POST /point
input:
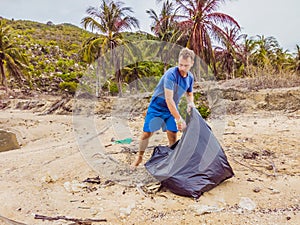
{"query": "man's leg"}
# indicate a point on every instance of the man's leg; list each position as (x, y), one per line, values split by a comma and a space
(144, 140)
(172, 137)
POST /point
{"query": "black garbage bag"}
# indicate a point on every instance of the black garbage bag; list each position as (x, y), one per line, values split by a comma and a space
(193, 165)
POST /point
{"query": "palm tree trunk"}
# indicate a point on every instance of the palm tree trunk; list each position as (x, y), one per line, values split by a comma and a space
(104, 75)
(98, 83)
(197, 69)
(3, 80)
(247, 65)
(204, 68)
(233, 69)
(119, 82)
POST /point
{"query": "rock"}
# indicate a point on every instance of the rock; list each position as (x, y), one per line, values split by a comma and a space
(8, 141)
(126, 211)
(269, 167)
(247, 203)
(94, 212)
(231, 123)
(204, 209)
(49, 179)
(74, 186)
(274, 191)
(256, 189)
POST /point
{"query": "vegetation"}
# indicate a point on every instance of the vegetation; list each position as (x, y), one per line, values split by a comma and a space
(110, 19)
(45, 54)
(200, 25)
(201, 105)
(12, 58)
(52, 58)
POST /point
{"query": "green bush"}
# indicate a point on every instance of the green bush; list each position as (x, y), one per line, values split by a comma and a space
(69, 76)
(69, 86)
(202, 109)
(49, 68)
(197, 96)
(113, 88)
(52, 43)
(41, 65)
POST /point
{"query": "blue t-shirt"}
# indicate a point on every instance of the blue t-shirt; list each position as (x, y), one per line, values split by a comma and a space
(174, 81)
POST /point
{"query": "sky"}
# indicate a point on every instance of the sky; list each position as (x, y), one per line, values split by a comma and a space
(276, 18)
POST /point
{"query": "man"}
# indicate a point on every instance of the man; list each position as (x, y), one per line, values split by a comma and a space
(163, 108)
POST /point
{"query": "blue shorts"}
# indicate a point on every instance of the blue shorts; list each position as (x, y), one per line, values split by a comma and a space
(155, 120)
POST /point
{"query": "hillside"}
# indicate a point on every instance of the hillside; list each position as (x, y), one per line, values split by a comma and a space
(53, 52)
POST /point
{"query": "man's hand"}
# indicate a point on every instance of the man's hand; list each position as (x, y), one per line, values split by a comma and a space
(181, 125)
(190, 105)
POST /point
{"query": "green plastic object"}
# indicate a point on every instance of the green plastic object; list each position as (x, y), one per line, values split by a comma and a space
(123, 141)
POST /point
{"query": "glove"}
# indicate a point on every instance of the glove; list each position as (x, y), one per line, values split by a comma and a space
(181, 125)
(190, 105)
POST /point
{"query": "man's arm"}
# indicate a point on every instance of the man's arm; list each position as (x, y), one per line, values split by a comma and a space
(171, 104)
(190, 101)
(189, 97)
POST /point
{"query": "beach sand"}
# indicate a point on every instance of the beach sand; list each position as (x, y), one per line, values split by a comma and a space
(46, 175)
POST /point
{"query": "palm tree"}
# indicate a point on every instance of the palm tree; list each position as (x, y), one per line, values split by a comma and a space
(201, 25)
(12, 61)
(246, 51)
(142, 76)
(281, 60)
(297, 61)
(164, 27)
(230, 51)
(265, 51)
(110, 20)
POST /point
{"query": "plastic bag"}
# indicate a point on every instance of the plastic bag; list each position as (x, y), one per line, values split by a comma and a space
(193, 165)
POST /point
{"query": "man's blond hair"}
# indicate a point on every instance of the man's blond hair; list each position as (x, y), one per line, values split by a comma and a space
(187, 53)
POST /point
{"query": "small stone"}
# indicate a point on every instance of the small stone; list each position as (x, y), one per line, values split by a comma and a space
(74, 186)
(204, 209)
(94, 212)
(247, 203)
(274, 191)
(49, 178)
(127, 211)
(269, 167)
(231, 123)
(256, 189)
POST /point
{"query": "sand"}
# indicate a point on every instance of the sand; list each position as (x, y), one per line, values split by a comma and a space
(46, 175)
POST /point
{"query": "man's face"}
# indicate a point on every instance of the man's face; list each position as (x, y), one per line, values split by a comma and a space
(184, 65)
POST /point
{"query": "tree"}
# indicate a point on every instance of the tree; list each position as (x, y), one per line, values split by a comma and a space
(201, 25)
(297, 61)
(265, 52)
(12, 60)
(246, 51)
(164, 27)
(142, 76)
(281, 60)
(229, 51)
(164, 24)
(110, 20)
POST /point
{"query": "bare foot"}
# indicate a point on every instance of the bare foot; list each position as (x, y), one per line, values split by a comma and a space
(136, 162)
